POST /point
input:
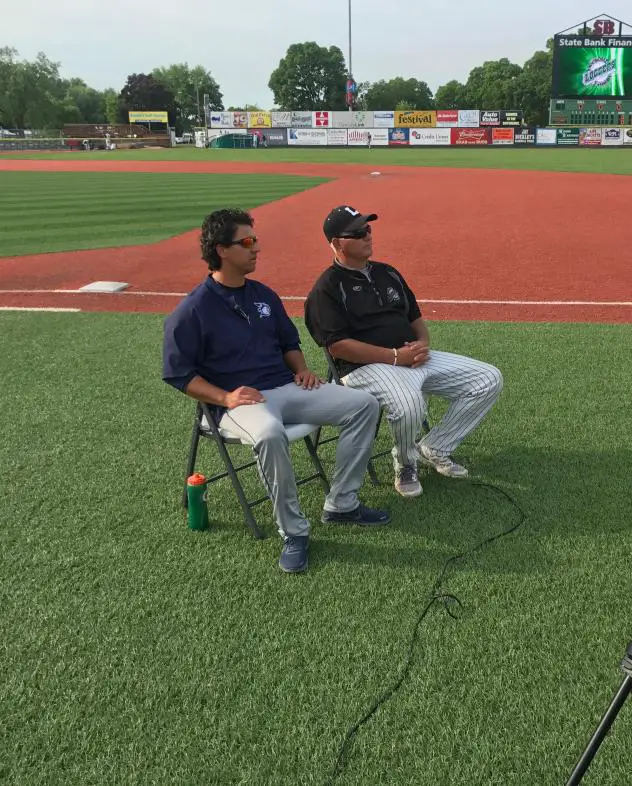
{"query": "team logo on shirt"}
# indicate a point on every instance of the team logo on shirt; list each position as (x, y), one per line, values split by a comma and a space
(392, 295)
(263, 309)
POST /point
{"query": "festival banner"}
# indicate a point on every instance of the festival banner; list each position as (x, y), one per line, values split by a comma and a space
(415, 118)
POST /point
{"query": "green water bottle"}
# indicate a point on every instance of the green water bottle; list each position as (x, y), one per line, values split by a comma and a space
(197, 512)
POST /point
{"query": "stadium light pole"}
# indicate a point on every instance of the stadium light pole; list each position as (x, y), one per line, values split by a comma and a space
(350, 64)
(350, 61)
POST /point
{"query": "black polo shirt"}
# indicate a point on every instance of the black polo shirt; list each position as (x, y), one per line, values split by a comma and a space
(375, 306)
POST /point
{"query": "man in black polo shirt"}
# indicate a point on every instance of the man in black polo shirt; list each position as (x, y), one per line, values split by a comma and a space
(231, 344)
(366, 315)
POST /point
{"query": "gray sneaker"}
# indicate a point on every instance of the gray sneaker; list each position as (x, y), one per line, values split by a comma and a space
(406, 481)
(442, 464)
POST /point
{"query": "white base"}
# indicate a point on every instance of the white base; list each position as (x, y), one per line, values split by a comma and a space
(374, 174)
(104, 286)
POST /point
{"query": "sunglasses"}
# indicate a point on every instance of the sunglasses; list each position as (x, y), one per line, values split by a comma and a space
(359, 235)
(245, 242)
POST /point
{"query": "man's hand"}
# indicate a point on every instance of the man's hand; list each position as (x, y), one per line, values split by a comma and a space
(307, 379)
(242, 396)
(413, 354)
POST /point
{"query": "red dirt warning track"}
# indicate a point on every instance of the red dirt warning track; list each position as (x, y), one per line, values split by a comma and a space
(535, 238)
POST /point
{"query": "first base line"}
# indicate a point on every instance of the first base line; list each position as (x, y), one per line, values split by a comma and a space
(301, 298)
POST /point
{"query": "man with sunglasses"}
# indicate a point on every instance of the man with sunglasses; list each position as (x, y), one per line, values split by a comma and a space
(231, 344)
(368, 318)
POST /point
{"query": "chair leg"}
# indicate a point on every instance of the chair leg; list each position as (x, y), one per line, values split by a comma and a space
(239, 491)
(372, 473)
(195, 440)
(317, 464)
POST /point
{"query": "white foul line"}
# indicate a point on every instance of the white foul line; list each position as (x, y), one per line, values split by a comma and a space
(34, 308)
(300, 298)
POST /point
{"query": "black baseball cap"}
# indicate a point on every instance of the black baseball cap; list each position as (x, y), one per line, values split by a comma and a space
(344, 220)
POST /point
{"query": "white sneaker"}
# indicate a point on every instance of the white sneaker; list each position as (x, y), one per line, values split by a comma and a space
(442, 464)
(406, 481)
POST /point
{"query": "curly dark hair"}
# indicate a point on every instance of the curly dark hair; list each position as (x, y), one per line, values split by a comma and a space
(218, 229)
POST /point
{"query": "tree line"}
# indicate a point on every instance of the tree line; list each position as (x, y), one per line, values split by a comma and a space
(34, 95)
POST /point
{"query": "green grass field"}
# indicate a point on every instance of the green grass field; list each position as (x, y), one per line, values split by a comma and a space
(137, 652)
(60, 211)
(613, 160)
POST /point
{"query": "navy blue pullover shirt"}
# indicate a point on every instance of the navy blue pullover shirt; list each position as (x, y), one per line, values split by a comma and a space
(229, 336)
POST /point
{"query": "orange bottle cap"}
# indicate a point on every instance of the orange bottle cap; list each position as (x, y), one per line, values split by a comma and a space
(196, 480)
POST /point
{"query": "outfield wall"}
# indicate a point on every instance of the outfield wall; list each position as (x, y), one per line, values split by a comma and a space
(481, 136)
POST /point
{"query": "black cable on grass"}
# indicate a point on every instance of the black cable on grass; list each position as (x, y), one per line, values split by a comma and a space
(437, 595)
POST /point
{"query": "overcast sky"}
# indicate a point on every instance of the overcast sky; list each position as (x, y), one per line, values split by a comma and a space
(242, 42)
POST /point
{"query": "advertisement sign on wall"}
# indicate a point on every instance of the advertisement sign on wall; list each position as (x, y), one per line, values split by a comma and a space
(357, 136)
(352, 119)
(221, 119)
(321, 119)
(415, 118)
(592, 66)
(612, 136)
(489, 118)
(259, 119)
(430, 136)
(275, 137)
(383, 119)
(546, 136)
(502, 136)
(307, 136)
(511, 118)
(470, 136)
(524, 136)
(398, 136)
(301, 120)
(240, 119)
(281, 119)
(447, 118)
(468, 118)
(627, 136)
(337, 136)
(590, 137)
(568, 136)
(148, 117)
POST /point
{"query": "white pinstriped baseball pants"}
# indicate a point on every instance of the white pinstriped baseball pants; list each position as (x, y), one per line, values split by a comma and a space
(470, 386)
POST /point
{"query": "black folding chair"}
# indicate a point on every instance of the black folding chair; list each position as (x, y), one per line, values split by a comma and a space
(334, 376)
(205, 426)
